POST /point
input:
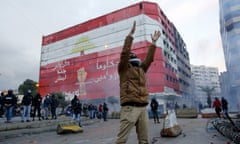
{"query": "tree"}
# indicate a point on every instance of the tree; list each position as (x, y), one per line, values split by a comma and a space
(209, 92)
(28, 85)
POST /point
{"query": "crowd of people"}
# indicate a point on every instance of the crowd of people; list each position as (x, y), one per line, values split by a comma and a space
(92, 111)
(29, 107)
(45, 108)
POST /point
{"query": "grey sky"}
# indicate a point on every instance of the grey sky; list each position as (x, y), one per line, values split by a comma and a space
(23, 23)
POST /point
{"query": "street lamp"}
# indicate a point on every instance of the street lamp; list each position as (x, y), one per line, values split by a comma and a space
(37, 85)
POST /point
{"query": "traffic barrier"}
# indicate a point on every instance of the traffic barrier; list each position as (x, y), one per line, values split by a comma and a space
(115, 115)
(186, 113)
(228, 130)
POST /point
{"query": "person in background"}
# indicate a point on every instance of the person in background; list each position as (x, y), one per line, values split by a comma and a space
(176, 106)
(27, 103)
(105, 111)
(225, 111)
(91, 111)
(154, 108)
(46, 106)
(224, 107)
(54, 105)
(85, 110)
(37, 101)
(133, 90)
(217, 105)
(1, 104)
(9, 102)
(100, 111)
(77, 110)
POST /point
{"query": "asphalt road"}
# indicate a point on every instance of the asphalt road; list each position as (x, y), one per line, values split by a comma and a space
(105, 133)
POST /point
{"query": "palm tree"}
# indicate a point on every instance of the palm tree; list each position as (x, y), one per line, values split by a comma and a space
(209, 92)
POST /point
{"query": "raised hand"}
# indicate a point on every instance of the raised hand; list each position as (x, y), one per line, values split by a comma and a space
(155, 37)
(133, 29)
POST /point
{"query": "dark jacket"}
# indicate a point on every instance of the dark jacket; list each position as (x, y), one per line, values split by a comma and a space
(105, 107)
(47, 101)
(154, 105)
(10, 99)
(27, 99)
(132, 79)
(53, 102)
(224, 104)
(37, 100)
(1, 99)
(76, 105)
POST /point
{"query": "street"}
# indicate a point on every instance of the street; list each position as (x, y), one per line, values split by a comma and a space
(105, 133)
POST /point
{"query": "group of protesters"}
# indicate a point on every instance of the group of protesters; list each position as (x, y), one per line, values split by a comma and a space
(91, 110)
(45, 107)
(30, 106)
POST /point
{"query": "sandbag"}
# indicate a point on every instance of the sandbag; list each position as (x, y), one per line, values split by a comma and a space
(68, 127)
(170, 126)
(171, 132)
(170, 120)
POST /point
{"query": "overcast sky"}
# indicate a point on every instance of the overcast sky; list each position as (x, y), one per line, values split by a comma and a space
(24, 22)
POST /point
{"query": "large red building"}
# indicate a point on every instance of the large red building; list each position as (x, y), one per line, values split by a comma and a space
(83, 59)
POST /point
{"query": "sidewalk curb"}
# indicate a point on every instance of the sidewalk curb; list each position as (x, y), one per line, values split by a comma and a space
(36, 130)
(32, 124)
(16, 130)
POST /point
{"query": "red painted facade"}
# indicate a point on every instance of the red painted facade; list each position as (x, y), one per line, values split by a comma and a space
(93, 74)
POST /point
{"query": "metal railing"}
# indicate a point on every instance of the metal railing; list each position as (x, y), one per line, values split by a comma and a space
(228, 129)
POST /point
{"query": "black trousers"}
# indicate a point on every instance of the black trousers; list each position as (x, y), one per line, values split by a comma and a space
(155, 115)
(218, 111)
(38, 110)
